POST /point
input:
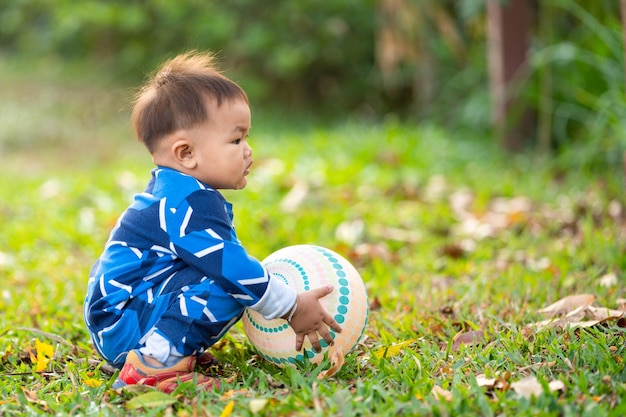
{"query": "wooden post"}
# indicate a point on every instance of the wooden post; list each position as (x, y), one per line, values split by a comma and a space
(508, 26)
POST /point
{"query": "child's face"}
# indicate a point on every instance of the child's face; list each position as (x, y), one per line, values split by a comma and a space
(220, 145)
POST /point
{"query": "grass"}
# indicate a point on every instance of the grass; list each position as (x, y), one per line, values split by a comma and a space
(449, 234)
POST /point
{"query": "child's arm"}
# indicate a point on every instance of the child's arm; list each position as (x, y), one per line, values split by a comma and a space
(311, 319)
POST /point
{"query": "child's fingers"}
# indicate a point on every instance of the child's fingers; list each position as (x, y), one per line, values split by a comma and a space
(332, 323)
(315, 342)
(327, 337)
(323, 291)
(299, 341)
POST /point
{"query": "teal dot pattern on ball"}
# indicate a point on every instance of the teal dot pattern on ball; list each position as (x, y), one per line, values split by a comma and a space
(344, 300)
(264, 329)
(294, 267)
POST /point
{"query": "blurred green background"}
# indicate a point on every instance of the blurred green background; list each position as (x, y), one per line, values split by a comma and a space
(367, 60)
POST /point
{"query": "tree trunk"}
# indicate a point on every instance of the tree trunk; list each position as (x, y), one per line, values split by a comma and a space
(508, 27)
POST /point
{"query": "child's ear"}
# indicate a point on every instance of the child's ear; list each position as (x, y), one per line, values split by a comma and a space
(183, 153)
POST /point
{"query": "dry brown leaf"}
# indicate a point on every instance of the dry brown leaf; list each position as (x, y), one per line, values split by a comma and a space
(603, 313)
(501, 382)
(31, 396)
(483, 381)
(608, 280)
(567, 304)
(582, 317)
(375, 304)
(452, 250)
(527, 387)
(504, 381)
(257, 404)
(530, 386)
(501, 214)
(336, 362)
(441, 394)
(556, 385)
(230, 394)
(474, 337)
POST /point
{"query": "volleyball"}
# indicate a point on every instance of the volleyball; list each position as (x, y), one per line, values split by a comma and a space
(305, 267)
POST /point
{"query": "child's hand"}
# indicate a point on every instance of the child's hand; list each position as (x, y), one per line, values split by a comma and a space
(311, 319)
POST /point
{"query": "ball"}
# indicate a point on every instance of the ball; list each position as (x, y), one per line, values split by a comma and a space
(305, 267)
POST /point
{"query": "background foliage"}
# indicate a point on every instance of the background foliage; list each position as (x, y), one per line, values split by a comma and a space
(420, 59)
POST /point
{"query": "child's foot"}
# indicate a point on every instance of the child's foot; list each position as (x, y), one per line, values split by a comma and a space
(166, 378)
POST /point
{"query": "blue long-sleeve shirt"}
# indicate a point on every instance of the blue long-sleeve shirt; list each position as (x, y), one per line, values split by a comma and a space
(176, 223)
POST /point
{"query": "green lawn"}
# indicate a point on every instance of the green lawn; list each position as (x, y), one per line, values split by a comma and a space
(459, 246)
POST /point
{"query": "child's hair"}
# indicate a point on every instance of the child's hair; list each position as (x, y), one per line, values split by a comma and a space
(175, 96)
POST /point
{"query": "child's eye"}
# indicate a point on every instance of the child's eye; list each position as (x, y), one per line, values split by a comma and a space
(237, 141)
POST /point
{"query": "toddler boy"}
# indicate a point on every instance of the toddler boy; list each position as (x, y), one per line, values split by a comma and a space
(173, 277)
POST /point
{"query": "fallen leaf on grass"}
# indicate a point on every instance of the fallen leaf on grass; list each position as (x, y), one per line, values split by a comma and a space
(530, 386)
(6, 354)
(474, 337)
(31, 397)
(230, 394)
(393, 350)
(441, 394)
(228, 409)
(603, 313)
(556, 385)
(608, 280)
(336, 362)
(500, 382)
(92, 382)
(567, 304)
(452, 250)
(583, 316)
(375, 304)
(257, 404)
(527, 387)
(483, 381)
(45, 352)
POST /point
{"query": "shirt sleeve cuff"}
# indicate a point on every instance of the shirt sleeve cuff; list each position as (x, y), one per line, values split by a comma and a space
(277, 301)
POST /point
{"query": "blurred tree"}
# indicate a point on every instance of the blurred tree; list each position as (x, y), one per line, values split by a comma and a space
(308, 51)
(419, 59)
